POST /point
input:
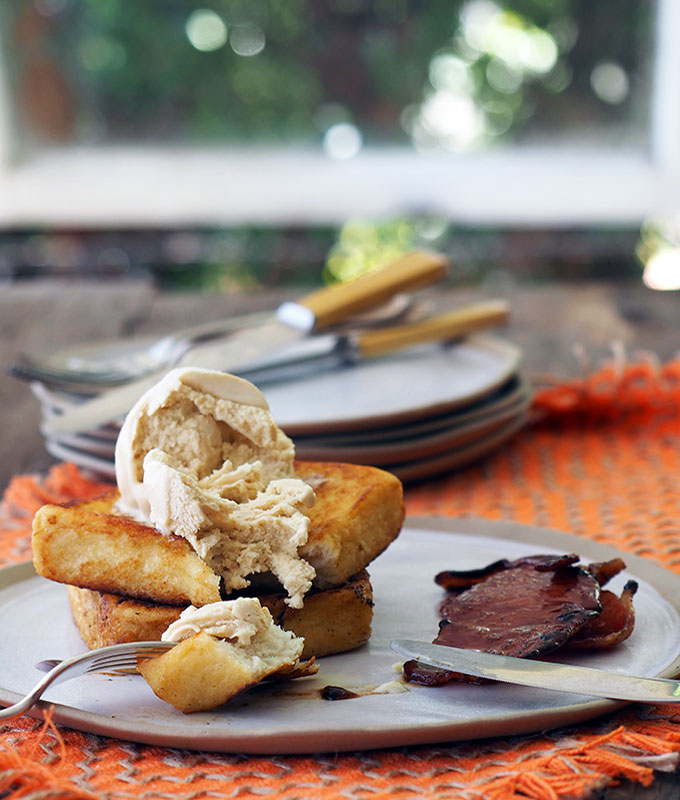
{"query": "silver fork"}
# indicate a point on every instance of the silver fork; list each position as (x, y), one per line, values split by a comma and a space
(92, 374)
(118, 659)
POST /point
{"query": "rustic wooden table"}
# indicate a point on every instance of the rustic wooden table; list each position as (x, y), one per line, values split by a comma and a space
(551, 322)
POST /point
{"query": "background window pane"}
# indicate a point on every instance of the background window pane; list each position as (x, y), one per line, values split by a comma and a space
(441, 75)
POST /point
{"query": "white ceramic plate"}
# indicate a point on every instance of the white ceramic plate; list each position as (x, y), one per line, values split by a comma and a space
(410, 448)
(92, 445)
(513, 394)
(421, 382)
(35, 624)
(404, 443)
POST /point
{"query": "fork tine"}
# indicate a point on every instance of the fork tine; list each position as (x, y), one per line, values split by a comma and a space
(120, 663)
(130, 657)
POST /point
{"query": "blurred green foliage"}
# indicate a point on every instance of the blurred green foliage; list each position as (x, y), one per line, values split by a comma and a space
(244, 259)
(286, 71)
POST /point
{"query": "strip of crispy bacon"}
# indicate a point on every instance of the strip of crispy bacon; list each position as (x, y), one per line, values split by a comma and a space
(520, 612)
(529, 607)
(604, 571)
(455, 580)
(612, 626)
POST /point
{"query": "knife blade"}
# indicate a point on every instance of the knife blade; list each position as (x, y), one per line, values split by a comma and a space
(542, 674)
(291, 322)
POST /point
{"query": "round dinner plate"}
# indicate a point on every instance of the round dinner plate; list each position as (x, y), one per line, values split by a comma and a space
(418, 383)
(421, 382)
(412, 451)
(430, 466)
(469, 447)
(515, 393)
(83, 443)
(35, 624)
(410, 448)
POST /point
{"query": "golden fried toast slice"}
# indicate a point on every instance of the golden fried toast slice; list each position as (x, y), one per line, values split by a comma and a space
(357, 513)
(331, 620)
(100, 550)
(202, 672)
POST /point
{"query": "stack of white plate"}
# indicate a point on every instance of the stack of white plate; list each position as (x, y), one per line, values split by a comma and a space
(418, 414)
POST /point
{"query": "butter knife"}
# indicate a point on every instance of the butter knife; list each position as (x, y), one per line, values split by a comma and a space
(329, 351)
(291, 322)
(542, 674)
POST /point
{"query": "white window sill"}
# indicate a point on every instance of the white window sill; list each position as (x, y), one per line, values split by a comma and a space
(161, 186)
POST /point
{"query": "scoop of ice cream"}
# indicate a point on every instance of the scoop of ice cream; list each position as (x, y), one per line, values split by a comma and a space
(238, 620)
(201, 419)
(201, 456)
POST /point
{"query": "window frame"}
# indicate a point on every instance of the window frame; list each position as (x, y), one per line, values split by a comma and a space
(160, 186)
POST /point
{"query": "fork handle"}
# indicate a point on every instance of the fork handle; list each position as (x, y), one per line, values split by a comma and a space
(32, 698)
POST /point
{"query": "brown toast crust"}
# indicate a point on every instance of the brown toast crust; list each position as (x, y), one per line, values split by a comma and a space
(358, 512)
(331, 620)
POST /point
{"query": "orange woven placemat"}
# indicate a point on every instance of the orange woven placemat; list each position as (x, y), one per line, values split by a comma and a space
(601, 459)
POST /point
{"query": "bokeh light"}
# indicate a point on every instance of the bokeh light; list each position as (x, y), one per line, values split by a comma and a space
(454, 120)
(451, 73)
(508, 37)
(659, 252)
(101, 53)
(503, 77)
(206, 30)
(443, 77)
(342, 141)
(247, 40)
(610, 82)
(496, 49)
(662, 270)
(363, 246)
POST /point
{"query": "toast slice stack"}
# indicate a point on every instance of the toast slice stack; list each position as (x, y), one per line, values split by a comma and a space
(128, 582)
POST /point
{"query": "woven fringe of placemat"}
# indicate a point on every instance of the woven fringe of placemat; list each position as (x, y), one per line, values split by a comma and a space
(602, 460)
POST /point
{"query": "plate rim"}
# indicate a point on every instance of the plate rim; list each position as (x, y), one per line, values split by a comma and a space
(510, 395)
(416, 448)
(664, 581)
(419, 469)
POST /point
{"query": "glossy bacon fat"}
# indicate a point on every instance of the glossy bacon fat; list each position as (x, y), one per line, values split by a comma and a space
(527, 608)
